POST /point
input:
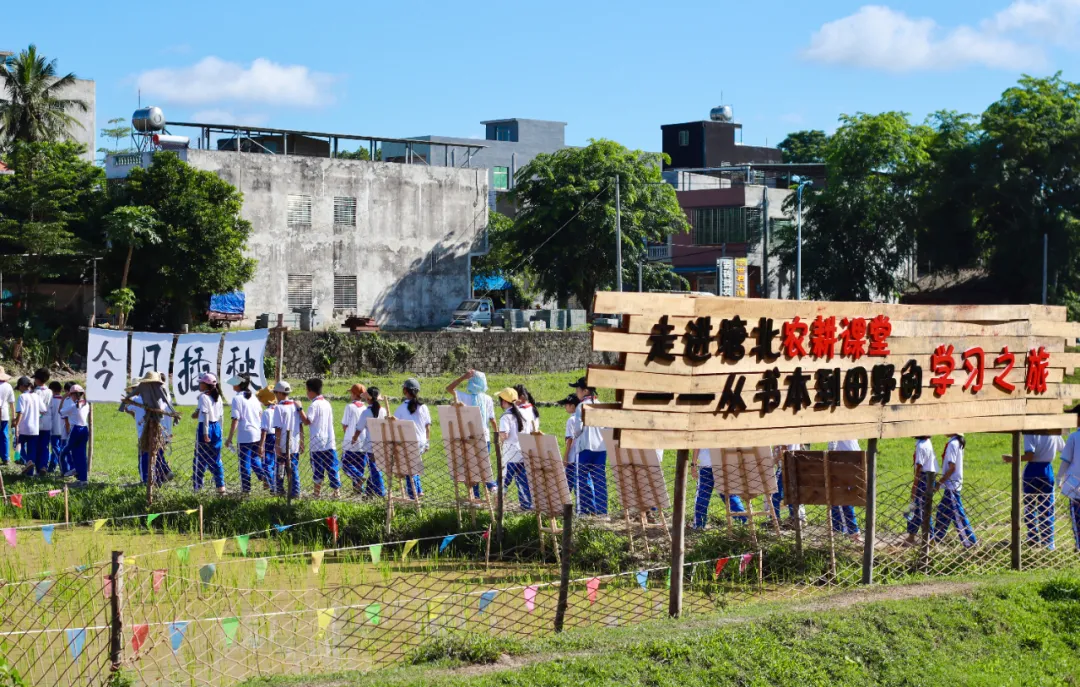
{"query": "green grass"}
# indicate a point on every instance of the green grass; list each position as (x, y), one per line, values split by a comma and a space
(1007, 633)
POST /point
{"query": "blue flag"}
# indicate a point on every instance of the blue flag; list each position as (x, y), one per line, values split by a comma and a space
(446, 542)
(41, 589)
(76, 640)
(643, 579)
(176, 634)
(281, 528)
(206, 573)
(486, 598)
(46, 533)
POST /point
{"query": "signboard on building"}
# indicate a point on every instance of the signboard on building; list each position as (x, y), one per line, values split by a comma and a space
(725, 268)
(706, 372)
(740, 278)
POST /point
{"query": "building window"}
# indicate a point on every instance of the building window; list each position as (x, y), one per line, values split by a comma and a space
(344, 292)
(344, 211)
(300, 292)
(714, 226)
(502, 178)
(684, 138)
(299, 210)
(502, 133)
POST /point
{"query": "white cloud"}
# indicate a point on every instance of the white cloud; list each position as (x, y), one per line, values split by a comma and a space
(227, 117)
(879, 37)
(1057, 21)
(213, 80)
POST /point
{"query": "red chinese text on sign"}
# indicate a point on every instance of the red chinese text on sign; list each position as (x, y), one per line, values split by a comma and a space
(823, 337)
(879, 330)
(975, 364)
(794, 335)
(943, 364)
(1008, 358)
(1038, 370)
(853, 338)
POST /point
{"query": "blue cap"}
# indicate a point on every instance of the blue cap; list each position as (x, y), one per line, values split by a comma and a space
(477, 383)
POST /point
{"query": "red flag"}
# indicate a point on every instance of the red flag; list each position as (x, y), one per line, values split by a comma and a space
(720, 563)
(485, 534)
(138, 637)
(745, 561)
(16, 500)
(158, 579)
(593, 586)
(331, 522)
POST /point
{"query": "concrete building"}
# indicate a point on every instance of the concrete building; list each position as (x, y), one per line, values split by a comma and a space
(85, 131)
(695, 145)
(346, 237)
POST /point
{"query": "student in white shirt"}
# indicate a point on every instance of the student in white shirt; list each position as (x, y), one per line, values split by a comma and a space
(591, 457)
(1068, 479)
(362, 438)
(843, 517)
(925, 461)
(150, 393)
(65, 456)
(76, 417)
(528, 406)
(289, 441)
(320, 418)
(28, 412)
(1039, 453)
(52, 414)
(701, 465)
(267, 437)
(208, 436)
(246, 427)
(417, 413)
(41, 454)
(570, 404)
(951, 509)
(475, 395)
(352, 458)
(511, 425)
(7, 414)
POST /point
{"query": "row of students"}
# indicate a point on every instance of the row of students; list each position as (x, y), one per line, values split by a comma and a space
(51, 428)
(950, 510)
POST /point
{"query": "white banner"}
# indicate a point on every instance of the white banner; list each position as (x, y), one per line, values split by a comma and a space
(150, 353)
(243, 353)
(106, 365)
(195, 354)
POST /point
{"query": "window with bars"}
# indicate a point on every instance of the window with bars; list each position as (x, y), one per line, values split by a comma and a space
(300, 296)
(684, 138)
(344, 292)
(299, 210)
(714, 226)
(344, 211)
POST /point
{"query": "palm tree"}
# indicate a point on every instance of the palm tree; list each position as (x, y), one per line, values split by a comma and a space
(31, 104)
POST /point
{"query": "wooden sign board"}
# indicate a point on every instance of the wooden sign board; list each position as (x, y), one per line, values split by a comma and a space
(395, 447)
(639, 478)
(546, 472)
(710, 372)
(746, 472)
(825, 478)
(466, 448)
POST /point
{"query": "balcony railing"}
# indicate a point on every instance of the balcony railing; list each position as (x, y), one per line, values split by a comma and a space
(660, 252)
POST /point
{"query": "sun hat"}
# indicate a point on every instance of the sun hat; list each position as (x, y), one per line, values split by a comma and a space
(207, 378)
(477, 383)
(357, 389)
(4, 376)
(508, 395)
(235, 381)
(266, 396)
(579, 384)
(75, 389)
(412, 385)
(283, 387)
(153, 378)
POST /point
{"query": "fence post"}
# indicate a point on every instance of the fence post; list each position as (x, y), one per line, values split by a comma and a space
(564, 575)
(90, 439)
(498, 494)
(929, 481)
(200, 522)
(116, 603)
(678, 532)
(1017, 506)
(280, 347)
(67, 507)
(871, 513)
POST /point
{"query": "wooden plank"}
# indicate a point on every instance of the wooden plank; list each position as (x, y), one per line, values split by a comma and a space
(643, 324)
(696, 306)
(1069, 361)
(1068, 330)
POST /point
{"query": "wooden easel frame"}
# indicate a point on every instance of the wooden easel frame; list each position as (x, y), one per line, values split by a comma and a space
(763, 468)
(460, 448)
(641, 486)
(547, 483)
(397, 460)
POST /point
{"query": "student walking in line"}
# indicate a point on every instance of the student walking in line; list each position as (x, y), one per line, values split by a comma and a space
(246, 427)
(592, 457)
(951, 509)
(55, 427)
(324, 458)
(41, 453)
(417, 413)
(925, 462)
(701, 465)
(151, 394)
(528, 406)
(570, 404)
(289, 439)
(208, 413)
(475, 395)
(352, 455)
(1068, 480)
(843, 517)
(76, 417)
(28, 411)
(511, 425)
(1039, 453)
(374, 486)
(267, 437)
(65, 432)
(7, 414)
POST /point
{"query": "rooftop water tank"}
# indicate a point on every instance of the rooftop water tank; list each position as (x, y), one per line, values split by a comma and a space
(148, 119)
(721, 113)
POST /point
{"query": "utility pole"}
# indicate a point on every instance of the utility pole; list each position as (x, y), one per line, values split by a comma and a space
(639, 277)
(1046, 242)
(618, 237)
(764, 240)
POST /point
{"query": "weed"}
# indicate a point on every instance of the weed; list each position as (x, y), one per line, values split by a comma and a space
(463, 648)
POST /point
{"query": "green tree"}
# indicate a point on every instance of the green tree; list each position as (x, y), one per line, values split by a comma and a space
(202, 238)
(804, 146)
(859, 229)
(360, 153)
(33, 108)
(565, 226)
(130, 226)
(118, 130)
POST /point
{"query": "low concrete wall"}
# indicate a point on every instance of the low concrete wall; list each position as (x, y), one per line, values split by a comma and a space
(346, 354)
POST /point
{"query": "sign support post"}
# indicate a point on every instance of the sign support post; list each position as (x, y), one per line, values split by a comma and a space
(678, 534)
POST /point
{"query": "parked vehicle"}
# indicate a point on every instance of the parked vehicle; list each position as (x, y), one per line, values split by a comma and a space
(474, 311)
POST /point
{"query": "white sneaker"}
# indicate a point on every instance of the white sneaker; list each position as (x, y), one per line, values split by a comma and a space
(69, 473)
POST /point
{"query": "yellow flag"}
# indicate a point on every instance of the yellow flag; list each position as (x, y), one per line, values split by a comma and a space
(433, 610)
(219, 547)
(98, 524)
(316, 561)
(326, 616)
(409, 546)
(189, 511)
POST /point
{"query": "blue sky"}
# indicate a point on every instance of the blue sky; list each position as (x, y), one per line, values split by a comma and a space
(613, 70)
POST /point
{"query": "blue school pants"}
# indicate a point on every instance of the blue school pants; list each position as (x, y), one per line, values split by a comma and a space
(951, 512)
(269, 462)
(76, 448)
(208, 457)
(1074, 515)
(5, 442)
(412, 487)
(919, 505)
(778, 497)
(28, 450)
(515, 472)
(355, 464)
(293, 467)
(352, 464)
(592, 482)
(162, 471)
(1039, 503)
(325, 463)
(571, 477)
(248, 457)
(55, 453)
(491, 486)
(41, 453)
(843, 519)
(705, 486)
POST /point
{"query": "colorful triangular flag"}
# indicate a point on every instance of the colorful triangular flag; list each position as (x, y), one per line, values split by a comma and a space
(530, 598)
(242, 543)
(219, 548)
(331, 522)
(47, 533)
(76, 640)
(745, 561)
(376, 552)
(157, 579)
(16, 500)
(183, 554)
(41, 589)
(151, 518)
(230, 626)
(281, 528)
(206, 573)
(593, 586)
(106, 586)
(10, 533)
(643, 579)
(191, 511)
(446, 542)
(720, 563)
(486, 598)
(326, 616)
(260, 569)
(138, 636)
(669, 578)
(176, 634)
(372, 613)
(409, 546)
(98, 524)
(53, 493)
(316, 561)
(81, 568)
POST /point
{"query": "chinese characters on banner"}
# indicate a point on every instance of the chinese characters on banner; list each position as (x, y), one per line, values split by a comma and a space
(243, 354)
(195, 355)
(740, 277)
(150, 353)
(106, 365)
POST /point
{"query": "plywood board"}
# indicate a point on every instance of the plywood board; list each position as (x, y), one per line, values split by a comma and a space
(639, 477)
(466, 448)
(395, 447)
(807, 482)
(546, 472)
(745, 471)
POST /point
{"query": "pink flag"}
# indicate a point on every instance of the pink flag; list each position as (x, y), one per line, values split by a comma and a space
(744, 561)
(158, 579)
(9, 534)
(106, 586)
(53, 493)
(138, 637)
(720, 563)
(530, 598)
(331, 522)
(16, 500)
(593, 586)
